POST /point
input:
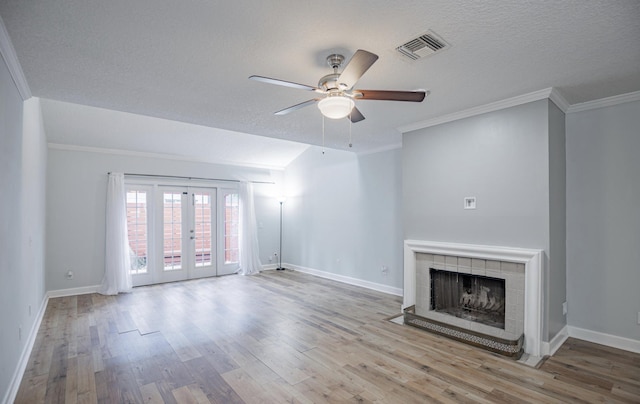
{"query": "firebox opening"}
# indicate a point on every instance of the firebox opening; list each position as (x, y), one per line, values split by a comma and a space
(471, 297)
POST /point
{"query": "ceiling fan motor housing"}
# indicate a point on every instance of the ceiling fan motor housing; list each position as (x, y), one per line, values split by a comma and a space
(330, 81)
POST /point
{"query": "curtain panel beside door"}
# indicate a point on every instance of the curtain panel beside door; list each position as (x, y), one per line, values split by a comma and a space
(249, 250)
(117, 263)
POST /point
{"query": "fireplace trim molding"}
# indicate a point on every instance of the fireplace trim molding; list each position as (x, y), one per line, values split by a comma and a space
(531, 258)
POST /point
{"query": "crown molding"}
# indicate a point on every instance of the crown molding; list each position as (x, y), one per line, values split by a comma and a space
(605, 102)
(483, 109)
(121, 152)
(551, 93)
(559, 100)
(8, 53)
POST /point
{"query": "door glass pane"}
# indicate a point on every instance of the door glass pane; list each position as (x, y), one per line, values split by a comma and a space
(172, 248)
(231, 222)
(137, 230)
(202, 206)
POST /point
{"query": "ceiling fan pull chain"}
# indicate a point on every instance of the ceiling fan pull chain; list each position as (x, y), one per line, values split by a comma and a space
(322, 134)
(350, 122)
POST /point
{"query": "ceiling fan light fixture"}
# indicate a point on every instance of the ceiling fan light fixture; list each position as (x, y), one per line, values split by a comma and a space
(336, 107)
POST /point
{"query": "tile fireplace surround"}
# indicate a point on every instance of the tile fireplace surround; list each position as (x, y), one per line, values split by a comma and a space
(523, 314)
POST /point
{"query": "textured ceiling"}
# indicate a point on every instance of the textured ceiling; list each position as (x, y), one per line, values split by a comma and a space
(189, 60)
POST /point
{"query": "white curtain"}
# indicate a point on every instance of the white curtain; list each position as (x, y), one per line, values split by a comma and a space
(117, 263)
(248, 238)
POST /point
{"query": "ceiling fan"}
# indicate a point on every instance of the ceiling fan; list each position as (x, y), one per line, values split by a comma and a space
(337, 97)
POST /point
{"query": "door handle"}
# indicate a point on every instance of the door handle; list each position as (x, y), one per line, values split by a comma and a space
(192, 237)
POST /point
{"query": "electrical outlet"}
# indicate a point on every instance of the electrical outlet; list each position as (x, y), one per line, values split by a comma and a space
(385, 270)
(69, 274)
(564, 308)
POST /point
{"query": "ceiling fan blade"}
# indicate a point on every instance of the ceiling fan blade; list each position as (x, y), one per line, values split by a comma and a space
(297, 106)
(283, 83)
(356, 115)
(360, 62)
(413, 96)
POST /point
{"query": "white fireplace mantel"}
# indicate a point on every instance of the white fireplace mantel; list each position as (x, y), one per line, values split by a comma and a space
(532, 259)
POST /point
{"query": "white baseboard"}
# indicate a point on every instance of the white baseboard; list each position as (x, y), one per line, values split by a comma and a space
(627, 344)
(84, 290)
(11, 394)
(345, 279)
(550, 348)
(269, 267)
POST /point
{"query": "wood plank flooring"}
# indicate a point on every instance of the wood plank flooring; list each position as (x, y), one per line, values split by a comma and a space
(288, 337)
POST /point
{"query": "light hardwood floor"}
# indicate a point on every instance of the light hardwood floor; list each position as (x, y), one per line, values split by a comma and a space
(283, 337)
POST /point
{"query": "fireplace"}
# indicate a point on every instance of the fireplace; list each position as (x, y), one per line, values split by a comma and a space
(487, 296)
(471, 297)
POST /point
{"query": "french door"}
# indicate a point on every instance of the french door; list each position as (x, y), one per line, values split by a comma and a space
(188, 233)
(178, 233)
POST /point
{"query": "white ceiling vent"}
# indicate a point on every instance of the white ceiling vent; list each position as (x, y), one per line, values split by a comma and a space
(424, 45)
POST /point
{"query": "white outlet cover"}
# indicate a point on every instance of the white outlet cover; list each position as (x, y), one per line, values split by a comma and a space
(470, 202)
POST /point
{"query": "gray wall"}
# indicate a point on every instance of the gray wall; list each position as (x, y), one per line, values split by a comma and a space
(503, 159)
(603, 223)
(556, 287)
(77, 185)
(22, 181)
(343, 215)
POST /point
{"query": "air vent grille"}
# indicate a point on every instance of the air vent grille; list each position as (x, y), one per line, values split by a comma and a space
(424, 45)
